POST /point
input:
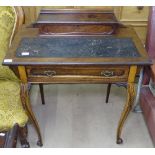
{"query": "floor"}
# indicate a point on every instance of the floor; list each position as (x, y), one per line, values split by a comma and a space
(76, 115)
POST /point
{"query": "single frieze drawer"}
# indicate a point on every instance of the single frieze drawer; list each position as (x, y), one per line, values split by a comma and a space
(89, 72)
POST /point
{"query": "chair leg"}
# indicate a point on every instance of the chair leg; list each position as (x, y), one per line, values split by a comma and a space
(42, 93)
(11, 137)
(23, 132)
(108, 92)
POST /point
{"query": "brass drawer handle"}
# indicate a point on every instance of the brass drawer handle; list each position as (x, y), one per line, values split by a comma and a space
(50, 73)
(107, 73)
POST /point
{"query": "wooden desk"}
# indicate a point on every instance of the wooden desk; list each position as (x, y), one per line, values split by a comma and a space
(38, 60)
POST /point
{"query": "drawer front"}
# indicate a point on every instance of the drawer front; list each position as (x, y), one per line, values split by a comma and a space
(76, 74)
(75, 29)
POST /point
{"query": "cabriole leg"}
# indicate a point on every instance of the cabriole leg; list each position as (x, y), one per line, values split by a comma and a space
(26, 103)
(126, 110)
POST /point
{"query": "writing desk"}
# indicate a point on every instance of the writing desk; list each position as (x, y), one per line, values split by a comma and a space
(77, 59)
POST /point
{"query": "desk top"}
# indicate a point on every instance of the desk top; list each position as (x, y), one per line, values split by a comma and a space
(77, 47)
(118, 49)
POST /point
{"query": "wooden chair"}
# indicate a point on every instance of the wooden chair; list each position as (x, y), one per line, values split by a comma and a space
(13, 118)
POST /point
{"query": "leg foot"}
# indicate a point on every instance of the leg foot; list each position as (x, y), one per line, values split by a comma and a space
(137, 109)
(39, 143)
(25, 144)
(119, 141)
